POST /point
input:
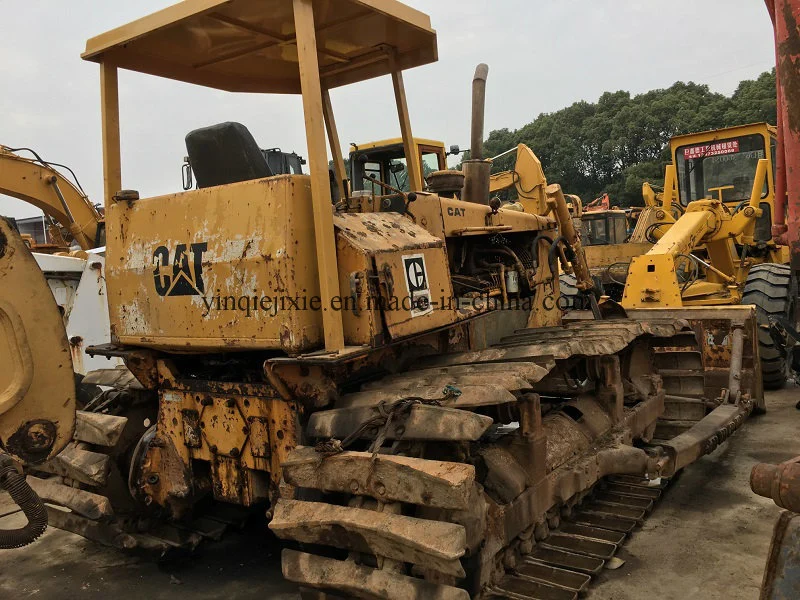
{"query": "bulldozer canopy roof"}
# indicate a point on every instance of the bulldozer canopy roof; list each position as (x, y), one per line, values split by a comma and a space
(250, 45)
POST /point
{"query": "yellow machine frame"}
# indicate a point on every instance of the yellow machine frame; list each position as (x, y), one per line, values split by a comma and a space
(47, 189)
(264, 67)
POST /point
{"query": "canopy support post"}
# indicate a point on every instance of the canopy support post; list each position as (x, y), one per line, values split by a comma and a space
(412, 160)
(335, 145)
(109, 100)
(318, 167)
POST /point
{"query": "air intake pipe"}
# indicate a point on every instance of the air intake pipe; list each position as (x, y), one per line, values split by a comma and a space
(476, 170)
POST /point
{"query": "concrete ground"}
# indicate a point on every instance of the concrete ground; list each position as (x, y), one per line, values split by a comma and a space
(707, 539)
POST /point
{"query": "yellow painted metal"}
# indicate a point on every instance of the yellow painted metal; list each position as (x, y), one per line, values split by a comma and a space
(566, 229)
(449, 217)
(278, 46)
(187, 284)
(37, 389)
(40, 185)
(305, 29)
(109, 104)
(412, 166)
(335, 145)
(527, 178)
(387, 241)
(653, 279)
(391, 142)
(251, 45)
(614, 254)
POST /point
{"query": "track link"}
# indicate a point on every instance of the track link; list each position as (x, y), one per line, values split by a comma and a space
(563, 565)
(460, 463)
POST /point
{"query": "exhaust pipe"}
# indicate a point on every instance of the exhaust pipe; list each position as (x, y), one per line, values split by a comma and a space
(477, 170)
(478, 110)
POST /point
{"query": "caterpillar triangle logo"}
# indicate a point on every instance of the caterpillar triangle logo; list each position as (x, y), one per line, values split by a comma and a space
(419, 292)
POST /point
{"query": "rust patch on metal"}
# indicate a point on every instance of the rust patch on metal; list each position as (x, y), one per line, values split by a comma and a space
(3, 241)
(33, 440)
(788, 52)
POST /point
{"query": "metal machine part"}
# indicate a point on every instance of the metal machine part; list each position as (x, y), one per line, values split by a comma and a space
(455, 419)
(38, 182)
(781, 483)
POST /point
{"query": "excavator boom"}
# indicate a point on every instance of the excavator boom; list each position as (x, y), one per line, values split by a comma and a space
(38, 183)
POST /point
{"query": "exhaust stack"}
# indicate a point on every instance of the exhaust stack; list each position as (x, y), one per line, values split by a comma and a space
(477, 170)
(478, 110)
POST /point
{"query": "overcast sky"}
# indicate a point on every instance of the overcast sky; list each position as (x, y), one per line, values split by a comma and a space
(543, 55)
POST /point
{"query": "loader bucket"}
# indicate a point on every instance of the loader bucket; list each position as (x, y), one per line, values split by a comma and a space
(717, 360)
(37, 385)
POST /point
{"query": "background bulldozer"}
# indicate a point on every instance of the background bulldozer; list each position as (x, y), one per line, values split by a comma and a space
(390, 382)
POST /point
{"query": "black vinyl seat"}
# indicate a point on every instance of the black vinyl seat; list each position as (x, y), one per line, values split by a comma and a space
(225, 153)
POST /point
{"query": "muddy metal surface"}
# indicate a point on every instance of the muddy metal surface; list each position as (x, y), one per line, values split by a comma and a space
(707, 539)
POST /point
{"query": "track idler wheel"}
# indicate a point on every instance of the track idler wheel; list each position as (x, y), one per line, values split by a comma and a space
(30, 503)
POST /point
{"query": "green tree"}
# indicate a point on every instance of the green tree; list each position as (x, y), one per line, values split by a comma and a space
(617, 143)
(754, 101)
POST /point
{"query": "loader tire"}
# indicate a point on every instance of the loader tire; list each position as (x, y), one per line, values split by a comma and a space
(770, 289)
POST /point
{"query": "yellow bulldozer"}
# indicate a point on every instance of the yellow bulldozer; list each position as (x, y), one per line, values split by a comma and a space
(383, 373)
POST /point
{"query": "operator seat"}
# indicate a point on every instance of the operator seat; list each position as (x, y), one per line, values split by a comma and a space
(225, 153)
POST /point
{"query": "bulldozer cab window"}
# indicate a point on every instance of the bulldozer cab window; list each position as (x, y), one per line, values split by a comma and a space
(389, 166)
(595, 232)
(371, 170)
(398, 174)
(726, 166)
(430, 163)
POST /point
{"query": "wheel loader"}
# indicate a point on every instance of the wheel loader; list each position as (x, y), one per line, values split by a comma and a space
(713, 237)
(723, 248)
(394, 389)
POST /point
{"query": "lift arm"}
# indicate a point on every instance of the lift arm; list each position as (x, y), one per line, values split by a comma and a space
(653, 278)
(45, 188)
(527, 177)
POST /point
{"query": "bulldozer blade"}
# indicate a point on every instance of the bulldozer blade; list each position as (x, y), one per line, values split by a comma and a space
(716, 359)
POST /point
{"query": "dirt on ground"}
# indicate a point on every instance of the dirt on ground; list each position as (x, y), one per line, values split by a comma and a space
(706, 540)
(709, 535)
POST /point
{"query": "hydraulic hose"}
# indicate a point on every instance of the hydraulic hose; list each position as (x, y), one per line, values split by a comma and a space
(30, 503)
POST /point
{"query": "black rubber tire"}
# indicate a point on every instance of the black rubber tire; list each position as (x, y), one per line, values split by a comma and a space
(770, 288)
